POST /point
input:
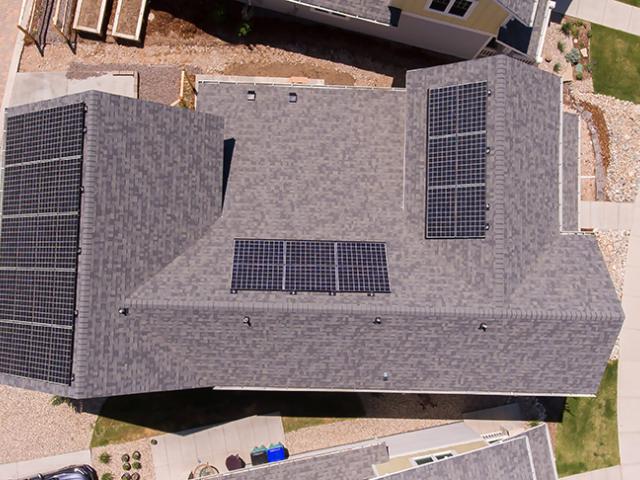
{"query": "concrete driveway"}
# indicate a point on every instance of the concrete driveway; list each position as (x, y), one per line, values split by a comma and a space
(18, 470)
(176, 455)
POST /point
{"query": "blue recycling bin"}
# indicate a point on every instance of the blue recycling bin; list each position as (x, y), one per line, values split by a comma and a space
(275, 453)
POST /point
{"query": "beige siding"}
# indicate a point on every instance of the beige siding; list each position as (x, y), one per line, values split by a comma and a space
(487, 16)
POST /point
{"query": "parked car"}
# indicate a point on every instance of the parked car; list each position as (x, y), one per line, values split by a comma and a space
(73, 472)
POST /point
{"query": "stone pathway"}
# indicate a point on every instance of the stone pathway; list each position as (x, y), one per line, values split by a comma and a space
(610, 13)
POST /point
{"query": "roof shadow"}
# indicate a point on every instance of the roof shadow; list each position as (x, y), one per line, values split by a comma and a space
(300, 36)
(178, 411)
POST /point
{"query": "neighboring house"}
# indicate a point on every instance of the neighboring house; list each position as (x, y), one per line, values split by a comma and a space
(460, 28)
(527, 456)
(304, 238)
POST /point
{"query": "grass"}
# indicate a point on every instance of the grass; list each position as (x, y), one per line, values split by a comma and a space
(635, 3)
(129, 418)
(587, 438)
(616, 63)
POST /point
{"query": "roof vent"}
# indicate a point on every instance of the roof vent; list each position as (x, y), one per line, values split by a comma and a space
(293, 97)
(483, 327)
(486, 226)
(385, 376)
(123, 311)
(246, 321)
(377, 320)
(488, 150)
(251, 95)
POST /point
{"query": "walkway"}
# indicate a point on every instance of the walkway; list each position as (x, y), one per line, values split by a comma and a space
(610, 13)
(28, 468)
(629, 366)
(176, 455)
(611, 473)
(606, 215)
(10, 46)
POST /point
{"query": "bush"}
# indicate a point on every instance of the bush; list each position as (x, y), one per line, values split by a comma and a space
(135, 476)
(557, 67)
(57, 400)
(244, 30)
(106, 476)
(573, 57)
(136, 455)
(126, 476)
(126, 466)
(566, 28)
(561, 46)
(136, 465)
(105, 457)
(579, 72)
(125, 458)
(589, 34)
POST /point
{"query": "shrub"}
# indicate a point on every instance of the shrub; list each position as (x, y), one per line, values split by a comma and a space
(534, 423)
(561, 46)
(106, 476)
(136, 465)
(57, 400)
(579, 72)
(579, 76)
(126, 476)
(154, 441)
(135, 476)
(105, 457)
(589, 34)
(557, 67)
(566, 28)
(136, 455)
(573, 57)
(126, 466)
(244, 30)
(125, 458)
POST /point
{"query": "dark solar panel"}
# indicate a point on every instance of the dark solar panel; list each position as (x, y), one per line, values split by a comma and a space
(39, 242)
(456, 162)
(310, 266)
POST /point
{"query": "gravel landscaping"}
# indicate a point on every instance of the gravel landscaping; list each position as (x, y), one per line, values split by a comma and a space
(614, 246)
(31, 427)
(115, 464)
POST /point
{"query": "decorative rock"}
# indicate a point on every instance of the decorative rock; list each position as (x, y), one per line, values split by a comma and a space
(584, 52)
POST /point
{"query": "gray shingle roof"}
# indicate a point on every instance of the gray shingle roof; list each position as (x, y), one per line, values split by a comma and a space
(340, 164)
(570, 171)
(355, 463)
(376, 10)
(525, 457)
(523, 10)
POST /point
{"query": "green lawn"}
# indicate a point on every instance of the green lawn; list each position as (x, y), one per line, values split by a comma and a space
(615, 57)
(587, 438)
(128, 418)
(635, 3)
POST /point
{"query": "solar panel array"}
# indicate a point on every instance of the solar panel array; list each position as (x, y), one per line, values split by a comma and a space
(39, 242)
(310, 266)
(456, 161)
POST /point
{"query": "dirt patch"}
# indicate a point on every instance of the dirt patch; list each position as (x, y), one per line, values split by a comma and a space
(128, 18)
(330, 76)
(89, 15)
(157, 83)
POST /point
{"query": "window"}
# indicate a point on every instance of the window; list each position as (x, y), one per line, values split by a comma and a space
(432, 458)
(457, 8)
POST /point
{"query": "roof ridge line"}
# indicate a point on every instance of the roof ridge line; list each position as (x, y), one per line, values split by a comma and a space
(250, 307)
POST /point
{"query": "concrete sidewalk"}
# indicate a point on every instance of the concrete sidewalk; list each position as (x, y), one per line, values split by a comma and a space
(606, 215)
(610, 13)
(629, 366)
(176, 455)
(611, 473)
(13, 471)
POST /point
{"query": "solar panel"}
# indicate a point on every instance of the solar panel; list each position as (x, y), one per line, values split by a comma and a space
(310, 266)
(39, 242)
(456, 162)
